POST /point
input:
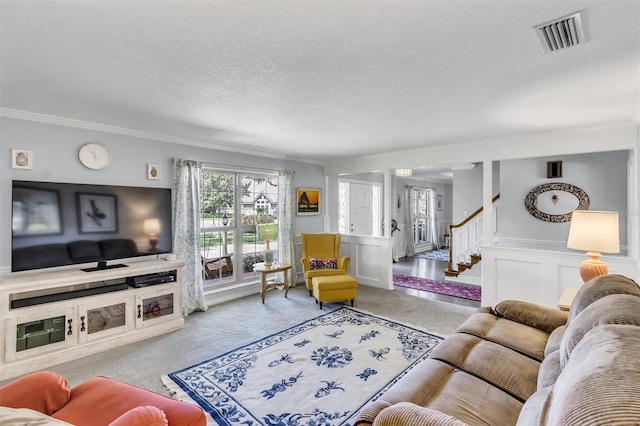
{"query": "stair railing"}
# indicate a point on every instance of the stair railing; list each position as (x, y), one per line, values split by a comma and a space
(475, 258)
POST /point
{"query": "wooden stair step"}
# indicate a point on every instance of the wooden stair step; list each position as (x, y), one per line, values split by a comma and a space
(475, 258)
(451, 273)
(464, 266)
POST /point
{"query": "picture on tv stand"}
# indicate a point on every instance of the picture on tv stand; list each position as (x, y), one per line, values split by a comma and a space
(59, 224)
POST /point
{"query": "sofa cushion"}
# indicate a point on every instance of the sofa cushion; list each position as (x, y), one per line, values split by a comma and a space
(611, 309)
(83, 251)
(599, 287)
(438, 386)
(532, 413)
(555, 338)
(508, 370)
(511, 334)
(549, 370)
(323, 273)
(47, 255)
(53, 392)
(599, 386)
(118, 248)
(27, 417)
(536, 316)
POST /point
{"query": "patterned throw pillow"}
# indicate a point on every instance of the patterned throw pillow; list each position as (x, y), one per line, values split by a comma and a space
(323, 263)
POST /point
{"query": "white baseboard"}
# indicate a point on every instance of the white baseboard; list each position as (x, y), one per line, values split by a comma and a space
(465, 280)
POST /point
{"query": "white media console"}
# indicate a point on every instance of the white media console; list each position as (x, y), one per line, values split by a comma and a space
(51, 317)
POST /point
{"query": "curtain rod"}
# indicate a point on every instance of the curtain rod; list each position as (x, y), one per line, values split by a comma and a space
(231, 167)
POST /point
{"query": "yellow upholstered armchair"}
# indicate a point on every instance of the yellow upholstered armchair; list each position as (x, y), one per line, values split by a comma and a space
(318, 252)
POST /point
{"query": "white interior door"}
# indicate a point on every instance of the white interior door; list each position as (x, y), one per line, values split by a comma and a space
(360, 209)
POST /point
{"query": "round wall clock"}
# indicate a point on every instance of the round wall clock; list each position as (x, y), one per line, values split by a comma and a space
(94, 156)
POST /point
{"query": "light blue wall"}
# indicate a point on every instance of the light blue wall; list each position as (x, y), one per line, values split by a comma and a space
(603, 176)
(55, 158)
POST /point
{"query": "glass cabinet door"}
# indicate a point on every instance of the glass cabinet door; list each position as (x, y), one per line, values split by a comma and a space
(108, 316)
(33, 332)
(155, 307)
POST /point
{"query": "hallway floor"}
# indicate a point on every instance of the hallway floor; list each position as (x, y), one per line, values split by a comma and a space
(432, 269)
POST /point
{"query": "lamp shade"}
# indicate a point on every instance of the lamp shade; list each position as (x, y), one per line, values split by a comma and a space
(151, 226)
(595, 231)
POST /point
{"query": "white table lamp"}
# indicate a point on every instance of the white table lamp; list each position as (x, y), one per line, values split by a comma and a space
(594, 232)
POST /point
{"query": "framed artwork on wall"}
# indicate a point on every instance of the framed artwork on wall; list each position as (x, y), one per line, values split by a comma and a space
(439, 201)
(308, 201)
(153, 171)
(97, 213)
(36, 212)
(21, 159)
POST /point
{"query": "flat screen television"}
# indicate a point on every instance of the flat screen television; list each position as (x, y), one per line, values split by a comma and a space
(58, 224)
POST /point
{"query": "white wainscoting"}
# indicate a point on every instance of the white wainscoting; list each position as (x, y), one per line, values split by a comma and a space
(538, 276)
(370, 264)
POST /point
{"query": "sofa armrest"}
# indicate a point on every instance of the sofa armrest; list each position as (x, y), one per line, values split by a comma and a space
(147, 415)
(368, 414)
(536, 316)
(305, 264)
(45, 391)
(108, 399)
(408, 414)
(343, 263)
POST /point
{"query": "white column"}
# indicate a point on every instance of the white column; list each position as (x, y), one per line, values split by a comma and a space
(487, 205)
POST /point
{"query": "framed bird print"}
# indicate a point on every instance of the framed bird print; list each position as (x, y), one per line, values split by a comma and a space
(308, 201)
(97, 213)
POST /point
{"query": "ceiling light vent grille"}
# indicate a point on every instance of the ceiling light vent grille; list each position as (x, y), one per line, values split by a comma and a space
(561, 33)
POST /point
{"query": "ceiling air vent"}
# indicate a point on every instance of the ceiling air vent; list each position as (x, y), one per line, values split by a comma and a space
(561, 33)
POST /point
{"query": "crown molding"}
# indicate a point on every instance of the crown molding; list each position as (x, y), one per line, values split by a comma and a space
(106, 128)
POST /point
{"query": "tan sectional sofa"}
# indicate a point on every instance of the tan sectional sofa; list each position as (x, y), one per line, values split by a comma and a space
(525, 364)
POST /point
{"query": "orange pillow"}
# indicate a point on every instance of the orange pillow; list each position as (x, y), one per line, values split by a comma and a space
(144, 416)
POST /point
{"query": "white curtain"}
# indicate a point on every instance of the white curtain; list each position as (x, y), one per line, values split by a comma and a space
(408, 216)
(287, 227)
(186, 232)
(432, 219)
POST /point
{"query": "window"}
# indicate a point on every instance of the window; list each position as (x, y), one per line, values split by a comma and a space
(233, 206)
(421, 208)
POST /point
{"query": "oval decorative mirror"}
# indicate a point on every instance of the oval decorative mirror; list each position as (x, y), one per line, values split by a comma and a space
(554, 202)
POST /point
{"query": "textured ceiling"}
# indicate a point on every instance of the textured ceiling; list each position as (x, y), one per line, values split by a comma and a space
(319, 79)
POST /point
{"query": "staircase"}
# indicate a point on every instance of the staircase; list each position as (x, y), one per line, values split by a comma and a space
(465, 240)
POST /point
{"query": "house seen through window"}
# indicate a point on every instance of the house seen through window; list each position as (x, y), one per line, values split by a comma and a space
(239, 212)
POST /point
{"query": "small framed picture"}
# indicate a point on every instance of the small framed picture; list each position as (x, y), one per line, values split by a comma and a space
(308, 201)
(153, 171)
(21, 159)
(439, 202)
(97, 213)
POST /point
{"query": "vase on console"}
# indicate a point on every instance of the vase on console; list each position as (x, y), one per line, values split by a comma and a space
(268, 255)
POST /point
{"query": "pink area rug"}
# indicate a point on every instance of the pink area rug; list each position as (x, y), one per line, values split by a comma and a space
(463, 291)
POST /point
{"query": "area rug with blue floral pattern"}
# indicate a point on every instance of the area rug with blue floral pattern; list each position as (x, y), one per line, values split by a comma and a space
(320, 372)
(441, 254)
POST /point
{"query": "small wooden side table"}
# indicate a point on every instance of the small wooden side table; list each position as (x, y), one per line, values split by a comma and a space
(266, 270)
(564, 303)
